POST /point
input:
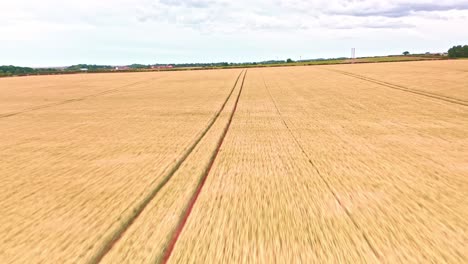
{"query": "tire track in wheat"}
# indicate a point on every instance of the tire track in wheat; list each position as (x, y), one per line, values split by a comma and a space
(186, 214)
(68, 101)
(405, 89)
(346, 210)
(114, 237)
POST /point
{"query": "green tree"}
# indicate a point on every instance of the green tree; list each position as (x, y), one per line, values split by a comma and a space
(458, 51)
(14, 70)
(406, 53)
(289, 61)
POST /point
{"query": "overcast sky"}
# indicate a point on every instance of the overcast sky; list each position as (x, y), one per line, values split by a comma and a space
(117, 32)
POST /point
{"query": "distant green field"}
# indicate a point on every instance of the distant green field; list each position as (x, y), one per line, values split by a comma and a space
(360, 60)
(338, 61)
(399, 58)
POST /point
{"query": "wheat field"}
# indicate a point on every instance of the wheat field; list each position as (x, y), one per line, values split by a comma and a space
(363, 163)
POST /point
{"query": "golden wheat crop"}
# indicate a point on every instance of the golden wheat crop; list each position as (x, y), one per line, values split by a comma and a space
(150, 235)
(73, 174)
(445, 78)
(320, 164)
(344, 170)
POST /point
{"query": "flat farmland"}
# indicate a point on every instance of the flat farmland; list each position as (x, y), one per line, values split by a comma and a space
(444, 79)
(319, 164)
(73, 174)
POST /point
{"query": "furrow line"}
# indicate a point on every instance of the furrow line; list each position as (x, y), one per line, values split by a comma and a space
(186, 214)
(348, 213)
(405, 89)
(39, 107)
(115, 237)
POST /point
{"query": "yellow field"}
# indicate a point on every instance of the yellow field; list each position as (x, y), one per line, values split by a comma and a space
(342, 163)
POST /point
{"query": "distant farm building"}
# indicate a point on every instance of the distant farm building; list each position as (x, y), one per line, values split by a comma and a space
(162, 67)
(122, 68)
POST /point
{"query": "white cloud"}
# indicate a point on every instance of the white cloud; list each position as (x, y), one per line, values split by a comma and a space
(51, 32)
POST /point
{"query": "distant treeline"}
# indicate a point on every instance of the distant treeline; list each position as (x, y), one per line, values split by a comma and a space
(90, 67)
(458, 51)
(454, 52)
(10, 70)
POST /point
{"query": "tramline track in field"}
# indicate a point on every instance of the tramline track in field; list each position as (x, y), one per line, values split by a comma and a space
(188, 210)
(114, 238)
(348, 213)
(68, 101)
(405, 89)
